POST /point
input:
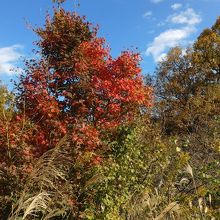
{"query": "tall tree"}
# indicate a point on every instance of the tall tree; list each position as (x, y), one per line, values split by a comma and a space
(184, 75)
(188, 103)
(77, 84)
(77, 89)
(207, 53)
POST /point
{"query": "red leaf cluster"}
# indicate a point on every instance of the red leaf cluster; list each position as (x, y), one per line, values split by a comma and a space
(77, 86)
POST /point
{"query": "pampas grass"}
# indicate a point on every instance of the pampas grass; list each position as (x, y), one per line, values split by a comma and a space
(42, 189)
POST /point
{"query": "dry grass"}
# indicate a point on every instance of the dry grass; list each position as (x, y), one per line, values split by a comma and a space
(42, 188)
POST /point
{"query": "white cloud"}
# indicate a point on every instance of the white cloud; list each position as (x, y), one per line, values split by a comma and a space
(176, 6)
(167, 39)
(157, 1)
(179, 36)
(147, 14)
(9, 56)
(187, 17)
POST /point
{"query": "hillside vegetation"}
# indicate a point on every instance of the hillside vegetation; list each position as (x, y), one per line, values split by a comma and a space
(87, 136)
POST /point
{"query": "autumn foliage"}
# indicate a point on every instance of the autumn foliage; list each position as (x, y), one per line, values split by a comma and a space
(85, 137)
(78, 84)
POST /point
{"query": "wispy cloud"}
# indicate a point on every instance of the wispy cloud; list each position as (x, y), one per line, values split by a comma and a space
(174, 36)
(157, 1)
(9, 56)
(176, 6)
(188, 17)
(147, 14)
(167, 39)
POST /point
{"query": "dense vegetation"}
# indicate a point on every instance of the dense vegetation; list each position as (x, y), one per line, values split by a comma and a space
(87, 136)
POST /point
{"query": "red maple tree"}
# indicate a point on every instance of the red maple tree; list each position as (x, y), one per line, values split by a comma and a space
(78, 86)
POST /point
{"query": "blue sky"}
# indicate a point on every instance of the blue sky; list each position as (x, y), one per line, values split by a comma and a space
(153, 26)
